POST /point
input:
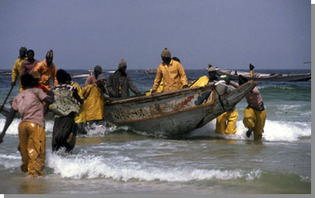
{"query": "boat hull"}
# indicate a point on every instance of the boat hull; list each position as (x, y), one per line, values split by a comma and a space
(173, 114)
(150, 71)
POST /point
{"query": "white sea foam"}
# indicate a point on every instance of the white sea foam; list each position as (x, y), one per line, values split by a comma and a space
(94, 129)
(279, 131)
(10, 161)
(273, 131)
(286, 131)
(102, 129)
(88, 166)
(13, 128)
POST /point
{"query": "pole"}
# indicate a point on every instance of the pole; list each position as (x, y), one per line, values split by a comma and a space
(5, 100)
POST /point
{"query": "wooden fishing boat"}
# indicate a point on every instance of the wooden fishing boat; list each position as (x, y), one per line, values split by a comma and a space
(173, 114)
(80, 75)
(88, 73)
(233, 75)
(150, 71)
(109, 71)
(5, 73)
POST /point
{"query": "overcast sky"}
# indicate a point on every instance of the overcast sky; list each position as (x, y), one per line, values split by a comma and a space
(270, 34)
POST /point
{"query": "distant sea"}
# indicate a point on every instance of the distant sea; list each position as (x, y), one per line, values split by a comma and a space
(115, 160)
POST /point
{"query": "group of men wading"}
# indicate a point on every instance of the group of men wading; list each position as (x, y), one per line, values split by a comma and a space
(73, 105)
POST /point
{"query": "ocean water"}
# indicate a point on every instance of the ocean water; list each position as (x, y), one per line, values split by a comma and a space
(111, 159)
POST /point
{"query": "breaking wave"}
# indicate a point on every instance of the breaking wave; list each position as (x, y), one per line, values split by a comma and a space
(82, 166)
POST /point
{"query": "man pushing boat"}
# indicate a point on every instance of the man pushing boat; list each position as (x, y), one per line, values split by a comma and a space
(119, 83)
(255, 113)
(32, 127)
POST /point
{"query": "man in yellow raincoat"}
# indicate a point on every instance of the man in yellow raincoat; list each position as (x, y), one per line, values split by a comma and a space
(251, 70)
(47, 70)
(16, 70)
(32, 127)
(171, 72)
(94, 99)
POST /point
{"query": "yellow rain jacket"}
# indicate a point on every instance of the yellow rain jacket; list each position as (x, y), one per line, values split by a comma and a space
(200, 82)
(81, 117)
(251, 73)
(46, 72)
(173, 76)
(94, 102)
(16, 71)
(158, 90)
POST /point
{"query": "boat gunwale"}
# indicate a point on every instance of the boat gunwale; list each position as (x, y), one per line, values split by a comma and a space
(173, 112)
(160, 96)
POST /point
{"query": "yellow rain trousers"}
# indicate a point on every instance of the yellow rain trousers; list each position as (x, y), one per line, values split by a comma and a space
(32, 148)
(226, 122)
(255, 120)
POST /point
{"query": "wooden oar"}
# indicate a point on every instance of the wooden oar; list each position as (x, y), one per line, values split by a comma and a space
(5, 100)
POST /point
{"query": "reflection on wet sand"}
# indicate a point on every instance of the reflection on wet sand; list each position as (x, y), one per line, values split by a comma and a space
(29, 185)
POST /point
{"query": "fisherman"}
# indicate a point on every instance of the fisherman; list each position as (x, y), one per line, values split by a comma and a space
(29, 64)
(93, 78)
(251, 70)
(36, 76)
(171, 72)
(65, 107)
(119, 83)
(32, 128)
(226, 122)
(212, 72)
(255, 113)
(160, 87)
(16, 70)
(47, 70)
(94, 99)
